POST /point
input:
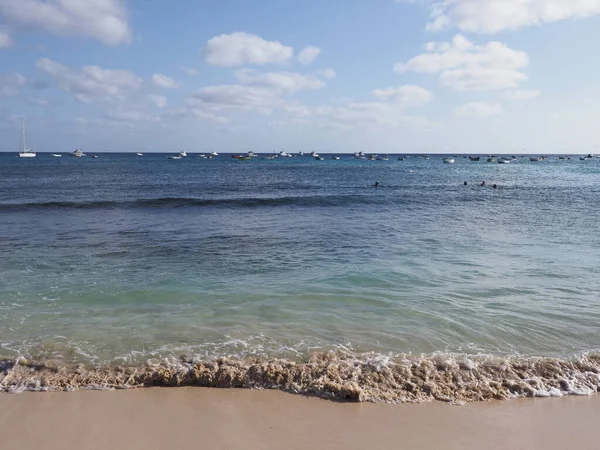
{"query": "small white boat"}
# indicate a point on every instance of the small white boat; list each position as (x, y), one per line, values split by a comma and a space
(491, 159)
(78, 153)
(57, 155)
(319, 158)
(250, 154)
(139, 154)
(25, 152)
(382, 158)
(335, 157)
(535, 159)
(448, 161)
(314, 154)
(213, 153)
(359, 155)
(372, 157)
(175, 157)
(203, 156)
(182, 153)
(504, 161)
(283, 154)
(300, 153)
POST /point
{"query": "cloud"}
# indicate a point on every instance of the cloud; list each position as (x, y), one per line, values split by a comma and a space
(408, 95)
(465, 66)
(522, 94)
(157, 100)
(130, 116)
(190, 72)
(285, 82)
(326, 73)
(103, 20)
(239, 48)
(91, 82)
(10, 84)
(239, 97)
(493, 16)
(5, 40)
(479, 110)
(308, 55)
(163, 81)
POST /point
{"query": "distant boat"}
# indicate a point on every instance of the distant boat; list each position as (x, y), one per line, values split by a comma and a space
(319, 158)
(335, 157)
(56, 155)
(283, 154)
(174, 157)
(25, 152)
(77, 153)
(359, 155)
(241, 157)
(182, 153)
(372, 157)
(95, 157)
(213, 153)
(383, 158)
(504, 161)
(203, 156)
(448, 161)
(314, 154)
(474, 158)
(250, 154)
(400, 158)
(491, 159)
(139, 154)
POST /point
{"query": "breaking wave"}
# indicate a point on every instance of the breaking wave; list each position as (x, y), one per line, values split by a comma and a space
(334, 375)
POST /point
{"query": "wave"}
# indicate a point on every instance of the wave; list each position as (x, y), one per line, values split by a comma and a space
(186, 202)
(333, 375)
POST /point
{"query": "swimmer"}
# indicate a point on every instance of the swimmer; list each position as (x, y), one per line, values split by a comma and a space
(377, 184)
(494, 186)
(482, 183)
(465, 183)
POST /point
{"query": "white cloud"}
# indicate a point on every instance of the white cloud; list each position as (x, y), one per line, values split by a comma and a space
(157, 100)
(288, 82)
(479, 110)
(241, 97)
(493, 16)
(104, 20)
(465, 66)
(190, 71)
(11, 83)
(5, 40)
(131, 116)
(328, 74)
(195, 112)
(240, 48)
(163, 81)
(308, 55)
(91, 82)
(408, 95)
(522, 94)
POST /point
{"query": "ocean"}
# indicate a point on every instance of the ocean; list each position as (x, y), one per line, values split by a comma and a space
(301, 275)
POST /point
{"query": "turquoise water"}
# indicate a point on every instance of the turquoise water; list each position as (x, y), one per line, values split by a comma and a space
(130, 260)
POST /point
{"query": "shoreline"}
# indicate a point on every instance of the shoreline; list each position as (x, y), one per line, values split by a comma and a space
(159, 418)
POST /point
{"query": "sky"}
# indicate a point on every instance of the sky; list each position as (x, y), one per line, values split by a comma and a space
(393, 76)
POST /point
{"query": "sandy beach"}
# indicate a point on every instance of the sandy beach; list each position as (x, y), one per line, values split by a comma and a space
(183, 418)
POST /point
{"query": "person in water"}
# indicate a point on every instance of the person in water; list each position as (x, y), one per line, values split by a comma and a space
(482, 183)
(377, 184)
(465, 183)
(494, 186)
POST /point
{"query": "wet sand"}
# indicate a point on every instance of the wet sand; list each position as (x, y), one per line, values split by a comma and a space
(191, 418)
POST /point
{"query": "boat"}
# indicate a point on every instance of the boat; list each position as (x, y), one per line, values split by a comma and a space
(213, 153)
(475, 158)
(448, 161)
(491, 159)
(182, 153)
(335, 157)
(175, 157)
(535, 159)
(372, 157)
(56, 155)
(400, 158)
(504, 161)
(582, 158)
(241, 157)
(25, 152)
(283, 154)
(561, 157)
(319, 158)
(78, 153)
(95, 157)
(383, 158)
(300, 153)
(250, 154)
(314, 154)
(203, 156)
(139, 154)
(359, 155)
(271, 157)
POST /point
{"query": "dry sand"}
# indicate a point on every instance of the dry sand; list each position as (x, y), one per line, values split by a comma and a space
(196, 418)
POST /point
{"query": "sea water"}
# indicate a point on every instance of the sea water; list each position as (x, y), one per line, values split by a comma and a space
(300, 274)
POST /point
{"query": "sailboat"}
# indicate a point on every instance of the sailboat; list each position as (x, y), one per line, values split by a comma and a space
(25, 152)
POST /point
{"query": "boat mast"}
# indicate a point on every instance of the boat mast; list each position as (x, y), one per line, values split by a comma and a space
(22, 134)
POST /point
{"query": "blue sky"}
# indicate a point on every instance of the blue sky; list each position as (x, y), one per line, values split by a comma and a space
(237, 75)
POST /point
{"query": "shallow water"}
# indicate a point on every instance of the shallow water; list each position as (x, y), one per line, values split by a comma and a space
(129, 260)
